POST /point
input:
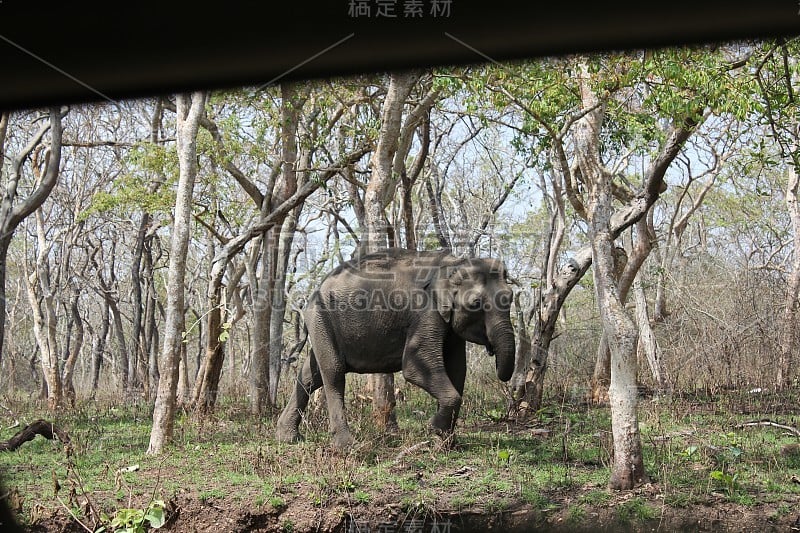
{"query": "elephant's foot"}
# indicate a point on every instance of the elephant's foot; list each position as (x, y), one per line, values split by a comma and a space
(443, 424)
(286, 431)
(342, 440)
(447, 440)
(288, 435)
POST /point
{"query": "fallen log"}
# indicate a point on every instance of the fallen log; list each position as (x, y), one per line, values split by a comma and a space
(766, 422)
(38, 427)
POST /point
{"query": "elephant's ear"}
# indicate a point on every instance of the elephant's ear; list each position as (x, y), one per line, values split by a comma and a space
(444, 304)
(443, 289)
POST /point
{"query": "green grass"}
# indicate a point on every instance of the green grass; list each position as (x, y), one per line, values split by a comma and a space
(495, 466)
(635, 509)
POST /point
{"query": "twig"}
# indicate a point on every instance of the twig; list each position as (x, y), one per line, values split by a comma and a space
(793, 430)
(409, 450)
(12, 415)
(87, 528)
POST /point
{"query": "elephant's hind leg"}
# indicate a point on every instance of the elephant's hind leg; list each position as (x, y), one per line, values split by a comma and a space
(332, 368)
(307, 382)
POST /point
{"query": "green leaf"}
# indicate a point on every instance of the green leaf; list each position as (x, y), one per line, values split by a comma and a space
(155, 516)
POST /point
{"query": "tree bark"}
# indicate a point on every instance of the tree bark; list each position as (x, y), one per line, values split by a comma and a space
(139, 353)
(258, 380)
(788, 333)
(41, 427)
(648, 344)
(627, 470)
(74, 348)
(122, 367)
(189, 110)
(150, 325)
(99, 347)
(5, 242)
(384, 178)
(278, 307)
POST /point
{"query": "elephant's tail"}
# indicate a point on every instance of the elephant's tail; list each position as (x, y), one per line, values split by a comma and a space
(291, 357)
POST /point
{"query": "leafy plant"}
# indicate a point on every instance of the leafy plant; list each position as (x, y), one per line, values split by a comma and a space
(688, 452)
(727, 481)
(133, 520)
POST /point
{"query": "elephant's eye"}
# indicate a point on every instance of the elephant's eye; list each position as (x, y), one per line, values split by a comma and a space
(456, 278)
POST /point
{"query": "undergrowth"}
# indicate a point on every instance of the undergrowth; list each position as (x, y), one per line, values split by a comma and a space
(557, 461)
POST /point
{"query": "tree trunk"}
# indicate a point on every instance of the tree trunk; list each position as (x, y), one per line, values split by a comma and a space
(436, 214)
(647, 338)
(259, 351)
(42, 300)
(137, 351)
(235, 245)
(626, 270)
(74, 349)
(121, 365)
(291, 105)
(278, 308)
(620, 330)
(628, 467)
(382, 184)
(531, 363)
(789, 324)
(189, 110)
(182, 394)
(205, 390)
(529, 392)
(140, 354)
(150, 325)
(4, 243)
(99, 346)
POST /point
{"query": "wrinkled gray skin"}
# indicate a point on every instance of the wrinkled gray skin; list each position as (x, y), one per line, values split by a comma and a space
(401, 310)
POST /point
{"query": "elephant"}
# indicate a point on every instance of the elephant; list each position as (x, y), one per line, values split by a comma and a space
(403, 310)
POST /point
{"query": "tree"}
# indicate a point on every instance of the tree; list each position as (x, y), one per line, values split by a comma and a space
(190, 109)
(778, 76)
(12, 212)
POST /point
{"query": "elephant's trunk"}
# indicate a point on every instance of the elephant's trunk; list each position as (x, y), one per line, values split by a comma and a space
(502, 343)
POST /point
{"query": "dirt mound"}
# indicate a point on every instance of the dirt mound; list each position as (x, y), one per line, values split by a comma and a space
(190, 514)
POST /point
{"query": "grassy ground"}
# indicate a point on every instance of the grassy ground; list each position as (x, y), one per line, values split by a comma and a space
(228, 474)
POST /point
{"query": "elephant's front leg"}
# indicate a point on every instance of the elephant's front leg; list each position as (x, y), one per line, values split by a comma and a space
(334, 393)
(455, 362)
(424, 366)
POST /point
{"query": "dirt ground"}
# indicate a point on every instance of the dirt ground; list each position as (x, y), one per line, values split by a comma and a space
(189, 513)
